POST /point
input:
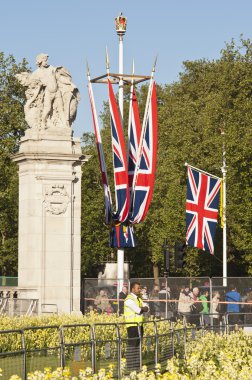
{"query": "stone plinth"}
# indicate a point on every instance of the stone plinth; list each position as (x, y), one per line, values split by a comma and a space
(50, 218)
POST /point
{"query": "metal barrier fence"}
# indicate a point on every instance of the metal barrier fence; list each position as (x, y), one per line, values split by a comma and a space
(98, 346)
(164, 293)
(14, 307)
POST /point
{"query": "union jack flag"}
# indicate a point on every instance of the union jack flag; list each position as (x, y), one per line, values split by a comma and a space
(143, 183)
(202, 203)
(134, 134)
(134, 180)
(120, 161)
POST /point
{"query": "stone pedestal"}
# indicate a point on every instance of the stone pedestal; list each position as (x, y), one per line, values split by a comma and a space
(50, 218)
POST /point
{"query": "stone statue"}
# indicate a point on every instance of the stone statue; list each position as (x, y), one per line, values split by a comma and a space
(52, 98)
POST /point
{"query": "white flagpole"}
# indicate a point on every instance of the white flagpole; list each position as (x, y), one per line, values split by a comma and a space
(121, 78)
(224, 253)
(144, 127)
(130, 119)
(120, 252)
(107, 62)
(130, 106)
(131, 97)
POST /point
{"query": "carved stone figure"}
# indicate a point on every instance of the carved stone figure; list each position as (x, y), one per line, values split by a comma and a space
(52, 98)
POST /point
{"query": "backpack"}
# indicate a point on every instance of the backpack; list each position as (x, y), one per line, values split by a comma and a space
(196, 308)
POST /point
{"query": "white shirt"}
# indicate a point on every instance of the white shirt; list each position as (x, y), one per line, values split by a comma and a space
(133, 305)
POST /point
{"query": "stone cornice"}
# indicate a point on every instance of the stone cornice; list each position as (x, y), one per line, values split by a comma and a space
(20, 157)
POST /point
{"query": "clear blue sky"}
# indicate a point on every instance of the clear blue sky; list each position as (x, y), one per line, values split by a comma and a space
(73, 31)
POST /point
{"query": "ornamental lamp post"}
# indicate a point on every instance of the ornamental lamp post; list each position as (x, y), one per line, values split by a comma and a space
(117, 78)
(121, 24)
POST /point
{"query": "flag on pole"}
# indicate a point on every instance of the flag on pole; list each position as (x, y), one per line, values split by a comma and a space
(120, 162)
(107, 193)
(133, 177)
(134, 134)
(122, 236)
(202, 203)
(143, 182)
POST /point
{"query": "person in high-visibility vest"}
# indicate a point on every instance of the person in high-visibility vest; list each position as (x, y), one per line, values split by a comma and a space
(133, 315)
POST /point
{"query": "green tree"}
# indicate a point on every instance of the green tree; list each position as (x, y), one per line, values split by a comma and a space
(12, 126)
(210, 97)
(94, 233)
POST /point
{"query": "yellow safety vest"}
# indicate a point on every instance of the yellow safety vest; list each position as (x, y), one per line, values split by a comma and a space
(129, 315)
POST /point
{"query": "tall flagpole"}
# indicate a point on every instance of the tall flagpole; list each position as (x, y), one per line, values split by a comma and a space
(144, 125)
(224, 250)
(121, 23)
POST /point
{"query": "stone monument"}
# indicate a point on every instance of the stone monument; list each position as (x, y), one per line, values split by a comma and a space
(49, 161)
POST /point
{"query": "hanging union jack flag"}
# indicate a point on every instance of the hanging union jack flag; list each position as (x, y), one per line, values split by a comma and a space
(122, 235)
(202, 203)
(134, 134)
(133, 177)
(143, 182)
(120, 161)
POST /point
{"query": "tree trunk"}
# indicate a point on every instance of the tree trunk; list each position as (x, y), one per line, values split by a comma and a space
(156, 274)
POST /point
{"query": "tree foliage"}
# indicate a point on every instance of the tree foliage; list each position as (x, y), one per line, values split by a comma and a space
(12, 126)
(210, 97)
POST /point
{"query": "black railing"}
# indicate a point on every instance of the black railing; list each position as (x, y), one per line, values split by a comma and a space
(80, 346)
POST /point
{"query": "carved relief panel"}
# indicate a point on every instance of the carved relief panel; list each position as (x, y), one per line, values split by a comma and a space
(56, 199)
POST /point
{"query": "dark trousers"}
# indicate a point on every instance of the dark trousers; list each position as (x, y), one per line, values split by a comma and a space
(133, 349)
(233, 319)
(194, 319)
(216, 321)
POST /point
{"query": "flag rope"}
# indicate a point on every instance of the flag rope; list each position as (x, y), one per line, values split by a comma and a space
(221, 205)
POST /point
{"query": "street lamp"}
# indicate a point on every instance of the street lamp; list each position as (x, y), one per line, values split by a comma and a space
(121, 25)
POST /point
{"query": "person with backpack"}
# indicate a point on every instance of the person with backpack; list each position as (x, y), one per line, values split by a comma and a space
(195, 306)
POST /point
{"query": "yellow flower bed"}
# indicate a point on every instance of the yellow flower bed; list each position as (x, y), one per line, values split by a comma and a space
(214, 356)
(46, 338)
